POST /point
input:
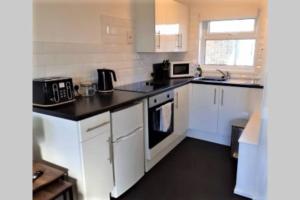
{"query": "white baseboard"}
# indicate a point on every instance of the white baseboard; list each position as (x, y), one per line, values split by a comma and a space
(210, 137)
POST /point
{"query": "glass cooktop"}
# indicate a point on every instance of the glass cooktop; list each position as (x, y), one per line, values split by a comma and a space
(144, 86)
(150, 85)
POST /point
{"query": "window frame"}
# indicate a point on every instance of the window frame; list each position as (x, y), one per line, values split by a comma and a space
(206, 35)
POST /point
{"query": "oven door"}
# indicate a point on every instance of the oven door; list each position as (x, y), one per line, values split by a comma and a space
(161, 122)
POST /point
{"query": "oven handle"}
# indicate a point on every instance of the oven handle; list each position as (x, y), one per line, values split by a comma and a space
(159, 108)
(160, 104)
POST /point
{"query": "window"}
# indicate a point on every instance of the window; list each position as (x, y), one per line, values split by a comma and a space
(228, 43)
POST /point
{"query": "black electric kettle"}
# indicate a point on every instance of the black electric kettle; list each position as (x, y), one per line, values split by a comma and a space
(105, 83)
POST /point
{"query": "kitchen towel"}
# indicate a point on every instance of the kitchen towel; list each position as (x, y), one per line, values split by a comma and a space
(166, 116)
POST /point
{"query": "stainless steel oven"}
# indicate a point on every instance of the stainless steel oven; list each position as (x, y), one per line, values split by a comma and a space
(160, 117)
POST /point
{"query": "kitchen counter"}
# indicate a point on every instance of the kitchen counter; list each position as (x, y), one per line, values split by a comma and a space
(231, 82)
(251, 133)
(85, 107)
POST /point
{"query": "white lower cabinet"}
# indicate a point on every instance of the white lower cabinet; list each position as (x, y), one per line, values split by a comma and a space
(97, 169)
(204, 108)
(181, 109)
(213, 107)
(84, 147)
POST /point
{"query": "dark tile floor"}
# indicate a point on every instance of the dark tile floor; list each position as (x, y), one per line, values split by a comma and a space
(194, 170)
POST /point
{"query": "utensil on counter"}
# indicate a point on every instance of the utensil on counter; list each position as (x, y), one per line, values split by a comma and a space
(87, 88)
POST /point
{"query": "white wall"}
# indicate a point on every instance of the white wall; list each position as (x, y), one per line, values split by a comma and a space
(70, 38)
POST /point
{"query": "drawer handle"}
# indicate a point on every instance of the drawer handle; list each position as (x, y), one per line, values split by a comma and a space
(97, 126)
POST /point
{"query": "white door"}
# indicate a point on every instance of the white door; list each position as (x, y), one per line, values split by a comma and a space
(128, 161)
(233, 104)
(204, 108)
(181, 118)
(182, 20)
(97, 164)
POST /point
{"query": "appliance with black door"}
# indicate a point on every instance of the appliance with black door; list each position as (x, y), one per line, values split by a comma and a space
(160, 117)
(52, 91)
(161, 71)
(180, 69)
(238, 126)
(105, 82)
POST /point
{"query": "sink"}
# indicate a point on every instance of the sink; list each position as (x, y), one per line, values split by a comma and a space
(212, 78)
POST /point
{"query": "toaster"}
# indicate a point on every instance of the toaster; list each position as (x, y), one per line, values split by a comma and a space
(52, 91)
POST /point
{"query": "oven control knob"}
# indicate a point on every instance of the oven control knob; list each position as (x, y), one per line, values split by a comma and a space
(155, 101)
(168, 96)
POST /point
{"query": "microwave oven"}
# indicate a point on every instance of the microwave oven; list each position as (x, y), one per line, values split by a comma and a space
(180, 69)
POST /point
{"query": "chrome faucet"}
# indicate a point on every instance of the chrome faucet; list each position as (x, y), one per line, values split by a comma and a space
(225, 75)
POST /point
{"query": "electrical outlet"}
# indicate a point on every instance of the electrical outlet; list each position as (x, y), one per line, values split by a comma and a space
(129, 38)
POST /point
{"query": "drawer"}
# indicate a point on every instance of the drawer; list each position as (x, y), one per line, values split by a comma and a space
(126, 120)
(94, 126)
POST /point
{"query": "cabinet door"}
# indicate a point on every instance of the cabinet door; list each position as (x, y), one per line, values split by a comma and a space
(233, 104)
(204, 108)
(97, 166)
(182, 21)
(128, 161)
(181, 118)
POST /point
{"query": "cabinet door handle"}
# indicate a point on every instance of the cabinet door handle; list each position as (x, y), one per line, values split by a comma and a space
(179, 41)
(215, 96)
(222, 98)
(97, 126)
(109, 140)
(158, 36)
(177, 100)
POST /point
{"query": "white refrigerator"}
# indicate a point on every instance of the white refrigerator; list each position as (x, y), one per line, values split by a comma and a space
(128, 147)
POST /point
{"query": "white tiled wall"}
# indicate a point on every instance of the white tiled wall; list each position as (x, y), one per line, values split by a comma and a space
(74, 38)
(80, 55)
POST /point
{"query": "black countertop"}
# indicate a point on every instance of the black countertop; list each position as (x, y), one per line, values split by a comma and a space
(85, 107)
(231, 82)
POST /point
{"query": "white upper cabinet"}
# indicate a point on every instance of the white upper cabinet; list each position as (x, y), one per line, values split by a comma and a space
(161, 26)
